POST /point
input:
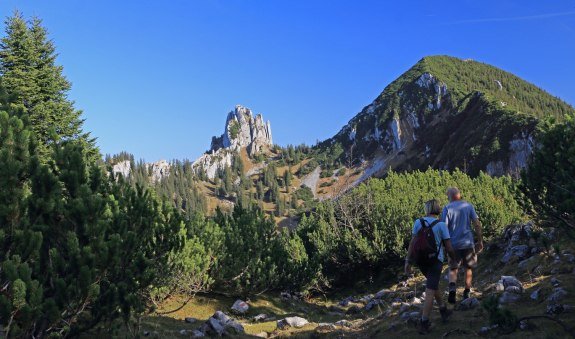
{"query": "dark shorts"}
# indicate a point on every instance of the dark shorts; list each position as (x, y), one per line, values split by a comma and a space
(433, 274)
(464, 257)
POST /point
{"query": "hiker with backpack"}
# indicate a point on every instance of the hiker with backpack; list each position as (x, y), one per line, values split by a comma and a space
(430, 239)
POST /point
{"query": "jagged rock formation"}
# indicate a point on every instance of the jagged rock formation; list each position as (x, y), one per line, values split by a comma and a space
(449, 113)
(242, 130)
(159, 169)
(123, 167)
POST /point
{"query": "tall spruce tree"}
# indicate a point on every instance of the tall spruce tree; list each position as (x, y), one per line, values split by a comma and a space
(33, 81)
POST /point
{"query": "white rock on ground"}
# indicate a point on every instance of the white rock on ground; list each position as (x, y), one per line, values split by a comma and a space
(240, 307)
(297, 322)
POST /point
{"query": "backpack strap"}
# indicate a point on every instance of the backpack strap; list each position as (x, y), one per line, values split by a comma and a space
(423, 222)
(435, 222)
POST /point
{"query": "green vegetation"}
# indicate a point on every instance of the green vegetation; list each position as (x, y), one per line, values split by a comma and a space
(234, 129)
(549, 180)
(34, 86)
(77, 249)
(463, 77)
(367, 229)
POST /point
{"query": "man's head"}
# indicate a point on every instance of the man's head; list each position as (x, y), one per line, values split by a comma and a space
(453, 194)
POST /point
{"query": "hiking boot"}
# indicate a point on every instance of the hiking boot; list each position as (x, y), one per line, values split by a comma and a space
(451, 298)
(423, 327)
(445, 313)
(466, 293)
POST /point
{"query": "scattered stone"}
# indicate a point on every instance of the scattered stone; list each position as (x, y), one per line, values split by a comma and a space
(557, 295)
(514, 289)
(508, 298)
(184, 332)
(191, 320)
(198, 334)
(469, 303)
(262, 335)
(515, 252)
(555, 309)
(234, 327)
(146, 333)
(222, 317)
(508, 280)
(406, 316)
(345, 301)
(366, 298)
(240, 307)
(499, 287)
(216, 326)
(325, 327)
(382, 293)
(417, 301)
(569, 257)
(297, 322)
(555, 282)
(535, 294)
(260, 317)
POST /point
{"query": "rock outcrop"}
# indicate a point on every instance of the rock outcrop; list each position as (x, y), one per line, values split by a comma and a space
(159, 169)
(242, 130)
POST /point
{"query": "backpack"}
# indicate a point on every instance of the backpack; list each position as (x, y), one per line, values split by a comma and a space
(425, 251)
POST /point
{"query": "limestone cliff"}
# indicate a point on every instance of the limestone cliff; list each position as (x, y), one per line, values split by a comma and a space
(242, 130)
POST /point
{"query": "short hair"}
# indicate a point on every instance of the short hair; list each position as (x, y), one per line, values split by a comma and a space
(452, 192)
(432, 207)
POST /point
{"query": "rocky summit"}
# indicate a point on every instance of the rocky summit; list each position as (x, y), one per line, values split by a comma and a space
(242, 130)
(449, 113)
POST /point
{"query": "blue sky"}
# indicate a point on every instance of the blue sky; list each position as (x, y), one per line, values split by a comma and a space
(157, 78)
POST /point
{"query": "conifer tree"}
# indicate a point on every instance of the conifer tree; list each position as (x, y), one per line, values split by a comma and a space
(33, 81)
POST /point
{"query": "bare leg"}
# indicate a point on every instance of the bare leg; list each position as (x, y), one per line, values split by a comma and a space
(453, 275)
(438, 298)
(468, 278)
(428, 304)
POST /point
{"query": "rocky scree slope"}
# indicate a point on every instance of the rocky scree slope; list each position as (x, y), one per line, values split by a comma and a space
(445, 113)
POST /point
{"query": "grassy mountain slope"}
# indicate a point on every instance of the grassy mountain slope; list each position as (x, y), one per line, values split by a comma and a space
(446, 112)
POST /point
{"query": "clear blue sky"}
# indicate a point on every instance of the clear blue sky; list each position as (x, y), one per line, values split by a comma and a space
(156, 78)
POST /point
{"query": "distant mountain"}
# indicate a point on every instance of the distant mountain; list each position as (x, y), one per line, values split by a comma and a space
(445, 113)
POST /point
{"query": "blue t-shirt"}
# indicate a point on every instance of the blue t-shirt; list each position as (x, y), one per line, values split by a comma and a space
(440, 232)
(458, 216)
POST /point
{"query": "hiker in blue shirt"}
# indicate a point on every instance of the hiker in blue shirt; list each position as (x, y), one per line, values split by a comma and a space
(459, 215)
(426, 249)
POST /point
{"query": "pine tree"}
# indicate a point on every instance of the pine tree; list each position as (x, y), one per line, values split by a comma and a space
(34, 81)
(287, 179)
